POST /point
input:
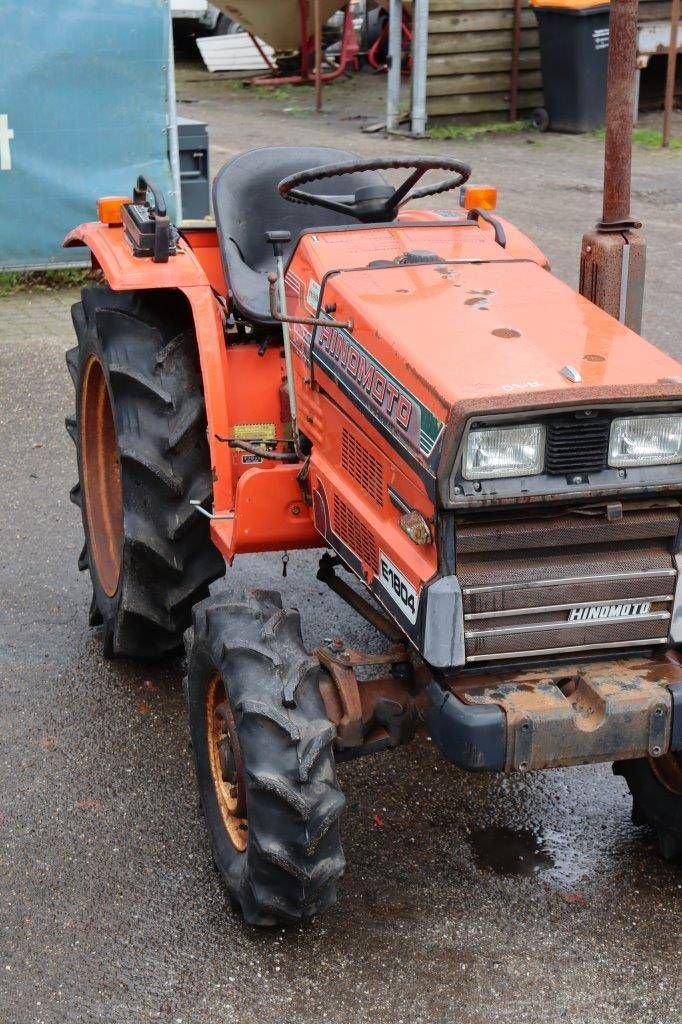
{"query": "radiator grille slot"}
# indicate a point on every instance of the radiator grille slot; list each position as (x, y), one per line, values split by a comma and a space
(520, 592)
(577, 445)
(354, 534)
(362, 466)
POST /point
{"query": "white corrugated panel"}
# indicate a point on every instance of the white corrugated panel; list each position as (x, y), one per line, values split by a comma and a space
(233, 53)
(189, 8)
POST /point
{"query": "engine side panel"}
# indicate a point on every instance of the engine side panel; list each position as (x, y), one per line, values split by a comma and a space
(354, 484)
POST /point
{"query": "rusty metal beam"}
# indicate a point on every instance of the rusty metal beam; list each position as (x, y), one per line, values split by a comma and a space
(613, 256)
(318, 56)
(620, 109)
(671, 72)
(374, 616)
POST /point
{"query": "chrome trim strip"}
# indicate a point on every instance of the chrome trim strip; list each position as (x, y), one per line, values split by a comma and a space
(656, 599)
(676, 624)
(566, 650)
(604, 578)
(539, 627)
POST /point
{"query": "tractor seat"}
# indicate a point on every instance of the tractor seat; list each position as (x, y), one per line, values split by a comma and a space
(246, 204)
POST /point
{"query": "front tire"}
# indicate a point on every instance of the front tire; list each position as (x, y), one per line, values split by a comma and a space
(656, 787)
(140, 435)
(264, 758)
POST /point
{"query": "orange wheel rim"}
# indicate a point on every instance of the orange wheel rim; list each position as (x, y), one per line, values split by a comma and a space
(225, 763)
(101, 477)
(668, 771)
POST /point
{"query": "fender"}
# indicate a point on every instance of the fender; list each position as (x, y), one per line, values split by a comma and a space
(183, 272)
(260, 490)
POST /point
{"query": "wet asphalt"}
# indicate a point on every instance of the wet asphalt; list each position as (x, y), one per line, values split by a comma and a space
(467, 900)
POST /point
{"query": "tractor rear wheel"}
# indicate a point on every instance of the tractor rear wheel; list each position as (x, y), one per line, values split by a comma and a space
(656, 787)
(264, 758)
(140, 435)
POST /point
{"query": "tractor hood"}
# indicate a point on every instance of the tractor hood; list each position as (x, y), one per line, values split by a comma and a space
(464, 326)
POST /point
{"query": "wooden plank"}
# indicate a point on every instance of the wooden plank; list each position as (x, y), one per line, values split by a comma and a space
(478, 63)
(479, 103)
(456, 85)
(478, 21)
(479, 42)
(454, 6)
(655, 11)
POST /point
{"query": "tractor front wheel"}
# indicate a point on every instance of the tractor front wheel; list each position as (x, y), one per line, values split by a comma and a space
(656, 787)
(140, 435)
(264, 758)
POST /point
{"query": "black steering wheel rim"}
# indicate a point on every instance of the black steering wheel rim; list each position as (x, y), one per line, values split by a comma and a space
(378, 208)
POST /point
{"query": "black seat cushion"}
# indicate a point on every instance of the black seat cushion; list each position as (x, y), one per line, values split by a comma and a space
(246, 204)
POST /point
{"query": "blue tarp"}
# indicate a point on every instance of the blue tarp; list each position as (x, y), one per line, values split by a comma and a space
(83, 105)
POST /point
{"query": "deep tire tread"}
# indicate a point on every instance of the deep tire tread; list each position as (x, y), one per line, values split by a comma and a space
(294, 857)
(145, 342)
(653, 806)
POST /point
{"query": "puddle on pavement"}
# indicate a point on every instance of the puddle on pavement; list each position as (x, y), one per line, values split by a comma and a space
(551, 855)
(509, 851)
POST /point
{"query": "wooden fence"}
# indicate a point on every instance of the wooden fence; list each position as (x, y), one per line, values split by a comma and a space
(470, 44)
(469, 64)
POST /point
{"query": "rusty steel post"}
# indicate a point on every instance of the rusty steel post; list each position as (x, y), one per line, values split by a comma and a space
(620, 109)
(515, 60)
(318, 56)
(670, 74)
(613, 256)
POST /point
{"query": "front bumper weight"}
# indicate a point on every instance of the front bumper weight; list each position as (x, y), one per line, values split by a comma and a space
(538, 718)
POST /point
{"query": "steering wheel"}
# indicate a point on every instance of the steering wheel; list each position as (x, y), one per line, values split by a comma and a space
(374, 203)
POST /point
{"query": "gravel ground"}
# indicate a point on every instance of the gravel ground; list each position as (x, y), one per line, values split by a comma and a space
(468, 899)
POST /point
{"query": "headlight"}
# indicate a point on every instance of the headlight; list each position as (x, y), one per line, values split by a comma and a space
(505, 451)
(646, 441)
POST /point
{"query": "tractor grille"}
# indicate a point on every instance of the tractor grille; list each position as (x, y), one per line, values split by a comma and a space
(567, 582)
(362, 466)
(354, 534)
(577, 445)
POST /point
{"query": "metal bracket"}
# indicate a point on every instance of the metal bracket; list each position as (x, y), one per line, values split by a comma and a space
(209, 515)
(326, 574)
(340, 662)
(616, 226)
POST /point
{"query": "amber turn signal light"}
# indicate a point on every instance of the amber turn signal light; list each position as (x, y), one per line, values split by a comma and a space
(478, 197)
(109, 209)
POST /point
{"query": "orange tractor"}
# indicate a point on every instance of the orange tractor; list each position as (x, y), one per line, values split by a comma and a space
(494, 462)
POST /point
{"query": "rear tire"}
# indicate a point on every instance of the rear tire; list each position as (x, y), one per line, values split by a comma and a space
(656, 787)
(540, 119)
(264, 758)
(140, 435)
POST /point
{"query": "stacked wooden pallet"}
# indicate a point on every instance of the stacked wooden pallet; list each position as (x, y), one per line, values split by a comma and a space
(470, 46)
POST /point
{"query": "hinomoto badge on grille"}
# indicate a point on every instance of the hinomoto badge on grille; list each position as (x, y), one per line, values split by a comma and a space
(629, 610)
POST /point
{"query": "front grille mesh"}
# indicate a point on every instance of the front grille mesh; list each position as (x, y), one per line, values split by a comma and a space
(577, 445)
(354, 534)
(362, 466)
(515, 568)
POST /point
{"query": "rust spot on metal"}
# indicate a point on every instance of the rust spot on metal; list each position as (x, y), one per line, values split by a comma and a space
(506, 332)
(587, 712)
(369, 713)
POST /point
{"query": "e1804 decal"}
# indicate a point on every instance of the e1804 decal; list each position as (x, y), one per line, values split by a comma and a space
(400, 589)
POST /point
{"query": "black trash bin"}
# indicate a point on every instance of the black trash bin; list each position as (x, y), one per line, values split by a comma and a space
(574, 49)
